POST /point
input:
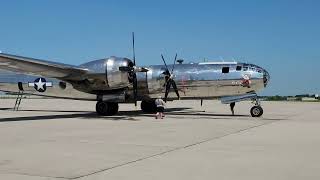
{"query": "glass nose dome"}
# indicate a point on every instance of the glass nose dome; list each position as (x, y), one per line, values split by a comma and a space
(266, 78)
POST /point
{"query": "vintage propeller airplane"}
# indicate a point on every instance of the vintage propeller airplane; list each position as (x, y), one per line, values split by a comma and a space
(115, 80)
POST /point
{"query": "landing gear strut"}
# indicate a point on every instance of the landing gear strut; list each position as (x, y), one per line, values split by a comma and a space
(148, 106)
(107, 108)
(256, 111)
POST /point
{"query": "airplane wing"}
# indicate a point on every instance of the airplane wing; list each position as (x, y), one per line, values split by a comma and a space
(32, 66)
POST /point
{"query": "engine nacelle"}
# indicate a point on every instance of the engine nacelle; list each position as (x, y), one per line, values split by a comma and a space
(115, 77)
(104, 74)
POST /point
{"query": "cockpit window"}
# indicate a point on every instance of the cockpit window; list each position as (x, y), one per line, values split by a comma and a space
(252, 67)
(238, 68)
(225, 70)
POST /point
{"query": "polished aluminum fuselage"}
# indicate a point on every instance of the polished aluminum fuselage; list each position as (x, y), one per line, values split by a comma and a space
(206, 80)
(106, 82)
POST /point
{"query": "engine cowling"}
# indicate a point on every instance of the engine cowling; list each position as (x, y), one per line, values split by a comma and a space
(115, 77)
(105, 74)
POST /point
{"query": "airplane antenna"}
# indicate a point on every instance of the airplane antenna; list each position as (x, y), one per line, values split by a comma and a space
(221, 58)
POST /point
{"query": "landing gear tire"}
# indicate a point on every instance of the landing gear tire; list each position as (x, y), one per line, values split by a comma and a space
(148, 106)
(107, 108)
(256, 111)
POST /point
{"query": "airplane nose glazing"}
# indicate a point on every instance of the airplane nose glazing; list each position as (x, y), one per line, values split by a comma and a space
(266, 78)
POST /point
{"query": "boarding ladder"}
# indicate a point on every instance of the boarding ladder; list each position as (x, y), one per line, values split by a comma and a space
(18, 101)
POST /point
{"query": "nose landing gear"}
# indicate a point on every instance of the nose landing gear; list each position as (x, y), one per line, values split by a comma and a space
(256, 111)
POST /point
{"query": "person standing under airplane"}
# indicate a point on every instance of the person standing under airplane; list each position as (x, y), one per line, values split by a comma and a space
(232, 107)
(160, 107)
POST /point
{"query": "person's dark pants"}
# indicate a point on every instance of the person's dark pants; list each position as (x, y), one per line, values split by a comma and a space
(232, 107)
(160, 109)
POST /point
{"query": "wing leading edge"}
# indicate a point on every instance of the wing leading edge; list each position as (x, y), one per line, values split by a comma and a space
(44, 68)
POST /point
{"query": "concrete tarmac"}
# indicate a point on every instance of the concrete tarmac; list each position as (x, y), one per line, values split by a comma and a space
(64, 139)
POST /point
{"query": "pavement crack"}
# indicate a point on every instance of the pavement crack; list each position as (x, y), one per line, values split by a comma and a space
(33, 175)
(174, 149)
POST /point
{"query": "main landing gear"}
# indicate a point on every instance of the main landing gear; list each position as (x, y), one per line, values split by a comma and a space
(256, 111)
(111, 108)
(148, 106)
(107, 108)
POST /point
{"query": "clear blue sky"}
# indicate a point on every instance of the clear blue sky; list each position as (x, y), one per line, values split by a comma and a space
(282, 36)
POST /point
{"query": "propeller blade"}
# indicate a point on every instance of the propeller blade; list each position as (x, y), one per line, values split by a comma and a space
(168, 86)
(135, 88)
(174, 63)
(164, 62)
(174, 85)
(134, 53)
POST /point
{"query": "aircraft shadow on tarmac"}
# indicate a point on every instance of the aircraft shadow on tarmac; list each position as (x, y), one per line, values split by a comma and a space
(5, 108)
(122, 115)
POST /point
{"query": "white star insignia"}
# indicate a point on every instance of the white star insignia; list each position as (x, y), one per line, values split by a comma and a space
(40, 84)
